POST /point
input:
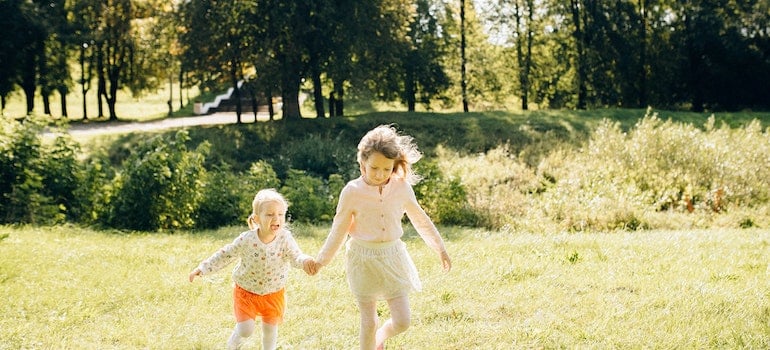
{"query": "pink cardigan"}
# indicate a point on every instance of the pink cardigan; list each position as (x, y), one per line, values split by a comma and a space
(366, 214)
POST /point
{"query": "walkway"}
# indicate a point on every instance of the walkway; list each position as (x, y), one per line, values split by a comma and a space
(105, 128)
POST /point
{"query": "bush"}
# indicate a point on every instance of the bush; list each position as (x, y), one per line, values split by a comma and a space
(619, 180)
(311, 199)
(37, 180)
(227, 195)
(63, 175)
(95, 191)
(319, 156)
(443, 199)
(160, 187)
(497, 184)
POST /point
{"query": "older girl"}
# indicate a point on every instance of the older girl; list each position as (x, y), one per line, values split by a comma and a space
(369, 211)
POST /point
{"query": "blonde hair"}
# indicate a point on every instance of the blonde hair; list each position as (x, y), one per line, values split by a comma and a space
(385, 139)
(262, 197)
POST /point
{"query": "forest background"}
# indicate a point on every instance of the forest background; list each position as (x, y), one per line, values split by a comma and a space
(576, 215)
(515, 56)
(435, 55)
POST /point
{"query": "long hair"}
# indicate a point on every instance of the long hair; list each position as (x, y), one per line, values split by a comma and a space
(385, 139)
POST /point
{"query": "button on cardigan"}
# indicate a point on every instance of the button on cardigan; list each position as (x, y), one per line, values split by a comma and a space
(365, 213)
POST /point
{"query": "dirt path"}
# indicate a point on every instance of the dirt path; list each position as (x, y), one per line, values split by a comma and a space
(105, 128)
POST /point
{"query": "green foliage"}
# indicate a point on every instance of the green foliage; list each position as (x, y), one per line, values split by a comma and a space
(317, 154)
(63, 175)
(95, 192)
(38, 180)
(161, 186)
(310, 198)
(221, 194)
(620, 178)
(227, 196)
(497, 183)
(443, 199)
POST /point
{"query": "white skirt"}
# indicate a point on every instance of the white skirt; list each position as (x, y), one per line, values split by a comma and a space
(380, 271)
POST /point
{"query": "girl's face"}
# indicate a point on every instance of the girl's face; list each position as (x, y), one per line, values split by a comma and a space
(272, 216)
(377, 169)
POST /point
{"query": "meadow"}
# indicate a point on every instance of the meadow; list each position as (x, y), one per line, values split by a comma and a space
(66, 287)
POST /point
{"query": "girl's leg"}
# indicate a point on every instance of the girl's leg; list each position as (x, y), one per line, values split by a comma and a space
(399, 320)
(242, 330)
(368, 310)
(269, 336)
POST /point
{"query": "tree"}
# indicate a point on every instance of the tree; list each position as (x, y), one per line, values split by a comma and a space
(10, 58)
(31, 51)
(422, 65)
(115, 48)
(517, 17)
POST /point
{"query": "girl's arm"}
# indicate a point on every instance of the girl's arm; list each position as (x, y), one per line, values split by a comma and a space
(343, 219)
(294, 254)
(425, 227)
(222, 257)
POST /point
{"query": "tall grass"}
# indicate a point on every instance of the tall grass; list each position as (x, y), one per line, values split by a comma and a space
(72, 288)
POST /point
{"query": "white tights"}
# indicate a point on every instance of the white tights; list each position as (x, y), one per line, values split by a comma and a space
(246, 328)
(371, 337)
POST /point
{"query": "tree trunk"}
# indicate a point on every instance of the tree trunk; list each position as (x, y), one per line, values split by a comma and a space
(318, 95)
(463, 79)
(63, 94)
(85, 83)
(290, 81)
(339, 91)
(46, 103)
(101, 84)
(236, 89)
(270, 107)
(643, 55)
(28, 82)
(579, 36)
(409, 88)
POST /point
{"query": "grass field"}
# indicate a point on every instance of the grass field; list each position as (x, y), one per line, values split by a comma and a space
(71, 288)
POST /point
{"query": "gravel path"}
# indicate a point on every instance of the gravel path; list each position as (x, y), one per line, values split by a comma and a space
(104, 128)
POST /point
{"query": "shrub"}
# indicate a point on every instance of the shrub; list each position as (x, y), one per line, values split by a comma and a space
(443, 199)
(227, 195)
(95, 191)
(620, 179)
(160, 186)
(34, 187)
(497, 184)
(311, 199)
(318, 156)
(63, 175)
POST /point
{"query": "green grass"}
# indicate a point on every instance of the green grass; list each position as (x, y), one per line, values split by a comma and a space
(72, 288)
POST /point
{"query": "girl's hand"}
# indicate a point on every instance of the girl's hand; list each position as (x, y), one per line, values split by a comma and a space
(445, 261)
(310, 267)
(196, 272)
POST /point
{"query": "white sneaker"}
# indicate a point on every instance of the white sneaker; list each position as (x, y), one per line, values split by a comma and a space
(234, 342)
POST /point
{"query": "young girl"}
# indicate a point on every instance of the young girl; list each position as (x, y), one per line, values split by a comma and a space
(370, 210)
(265, 253)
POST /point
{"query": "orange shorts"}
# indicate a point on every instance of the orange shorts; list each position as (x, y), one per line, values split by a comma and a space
(247, 306)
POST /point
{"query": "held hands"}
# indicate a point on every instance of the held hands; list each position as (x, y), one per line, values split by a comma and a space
(311, 267)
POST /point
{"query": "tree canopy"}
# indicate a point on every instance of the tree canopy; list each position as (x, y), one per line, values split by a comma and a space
(692, 54)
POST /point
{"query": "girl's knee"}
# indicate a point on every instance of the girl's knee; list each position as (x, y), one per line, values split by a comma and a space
(368, 324)
(400, 325)
(245, 329)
